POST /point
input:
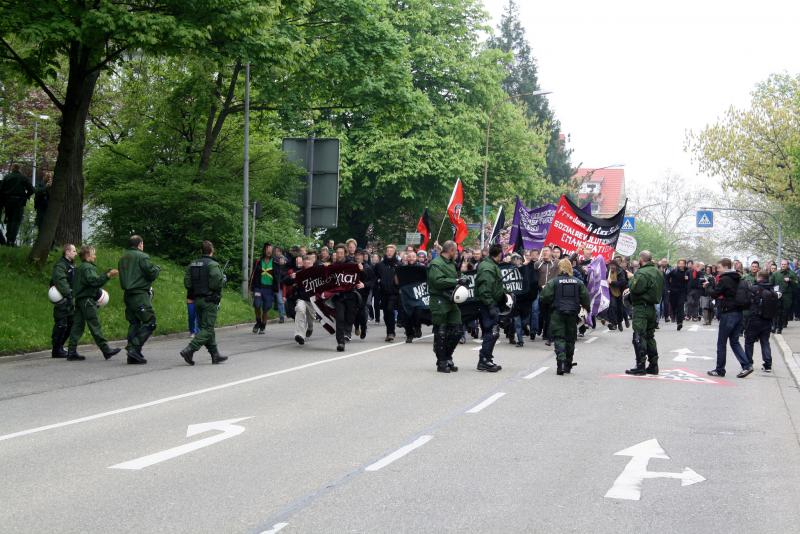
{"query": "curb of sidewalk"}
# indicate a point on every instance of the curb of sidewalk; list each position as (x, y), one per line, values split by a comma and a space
(22, 356)
(790, 358)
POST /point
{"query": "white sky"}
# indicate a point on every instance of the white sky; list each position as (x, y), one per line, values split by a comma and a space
(629, 78)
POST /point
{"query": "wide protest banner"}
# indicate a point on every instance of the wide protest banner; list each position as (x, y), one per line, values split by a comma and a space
(325, 282)
(574, 229)
(412, 281)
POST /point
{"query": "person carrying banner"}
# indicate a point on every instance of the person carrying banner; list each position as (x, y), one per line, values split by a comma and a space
(347, 303)
(491, 294)
(565, 295)
(303, 311)
(646, 288)
(445, 314)
(411, 316)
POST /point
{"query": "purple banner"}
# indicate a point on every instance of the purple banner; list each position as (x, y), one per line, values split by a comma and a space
(530, 226)
(598, 287)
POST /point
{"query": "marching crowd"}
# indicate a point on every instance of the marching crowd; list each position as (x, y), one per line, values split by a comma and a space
(553, 302)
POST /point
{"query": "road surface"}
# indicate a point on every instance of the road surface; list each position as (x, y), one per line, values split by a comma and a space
(305, 439)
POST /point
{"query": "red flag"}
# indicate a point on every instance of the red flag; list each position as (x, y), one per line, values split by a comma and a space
(424, 228)
(454, 212)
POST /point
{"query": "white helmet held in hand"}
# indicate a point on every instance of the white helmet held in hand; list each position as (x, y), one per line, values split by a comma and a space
(55, 295)
(460, 294)
(505, 308)
(102, 300)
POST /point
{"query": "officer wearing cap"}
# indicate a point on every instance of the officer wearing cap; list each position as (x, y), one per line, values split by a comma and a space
(445, 314)
(204, 280)
(564, 296)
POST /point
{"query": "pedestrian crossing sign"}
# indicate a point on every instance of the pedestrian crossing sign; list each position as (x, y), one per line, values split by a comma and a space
(705, 219)
(629, 224)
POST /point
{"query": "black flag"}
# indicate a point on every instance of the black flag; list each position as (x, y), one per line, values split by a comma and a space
(499, 223)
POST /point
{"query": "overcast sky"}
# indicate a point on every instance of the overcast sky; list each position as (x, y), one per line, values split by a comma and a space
(629, 78)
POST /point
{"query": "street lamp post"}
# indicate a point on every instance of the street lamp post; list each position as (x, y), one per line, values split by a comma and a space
(246, 182)
(486, 154)
(36, 119)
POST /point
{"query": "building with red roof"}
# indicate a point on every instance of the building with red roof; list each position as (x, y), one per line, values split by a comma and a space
(604, 188)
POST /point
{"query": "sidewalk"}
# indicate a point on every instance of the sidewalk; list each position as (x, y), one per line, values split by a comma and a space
(789, 343)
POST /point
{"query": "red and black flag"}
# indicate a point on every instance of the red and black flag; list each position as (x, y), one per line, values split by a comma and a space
(424, 228)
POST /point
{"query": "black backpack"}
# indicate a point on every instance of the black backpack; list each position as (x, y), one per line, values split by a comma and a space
(765, 303)
(743, 291)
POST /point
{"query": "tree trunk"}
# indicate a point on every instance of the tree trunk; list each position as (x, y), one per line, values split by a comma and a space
(64, 216)
(213, 128)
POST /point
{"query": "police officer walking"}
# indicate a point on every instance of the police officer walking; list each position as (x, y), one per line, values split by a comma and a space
(445, 314)
(491, 294)
(645, 290)
(61, 279)
(204, 281)
(16, 189)
(564, 296)
(85, 287)
(136, 276)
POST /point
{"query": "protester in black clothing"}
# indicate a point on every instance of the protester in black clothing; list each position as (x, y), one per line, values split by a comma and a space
(678, 281)
(15, 189)
(347, 303)
(764, 306)
(411, 321)
(388, 290)
(695, 291)
(369, 284)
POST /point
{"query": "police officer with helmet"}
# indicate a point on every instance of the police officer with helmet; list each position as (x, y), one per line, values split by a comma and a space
(443, 279)
(61, 280)
(491, 295)
(204, 281)
(565, 295)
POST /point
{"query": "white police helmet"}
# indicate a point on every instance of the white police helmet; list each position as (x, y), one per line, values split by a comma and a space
(505, 308)
(460, 294)
(55, 295)
(102, 300)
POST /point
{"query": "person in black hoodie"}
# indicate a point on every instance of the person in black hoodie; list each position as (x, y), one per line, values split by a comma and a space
(678, 282)
(730, 320)
(696, 279)
(388, 290)
(369, 284)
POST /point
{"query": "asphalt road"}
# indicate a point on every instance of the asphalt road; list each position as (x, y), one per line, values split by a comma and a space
(374, 440)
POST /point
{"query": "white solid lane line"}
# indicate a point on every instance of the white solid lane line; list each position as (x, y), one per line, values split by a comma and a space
(591, 340)
(536, 373)
(277, 527)
(488, 402)
(194, 393)
(399, 453)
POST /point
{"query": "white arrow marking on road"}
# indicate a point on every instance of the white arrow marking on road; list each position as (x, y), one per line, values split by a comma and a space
(628, 485)
(685, 354)
(277, 527)
(227, 427)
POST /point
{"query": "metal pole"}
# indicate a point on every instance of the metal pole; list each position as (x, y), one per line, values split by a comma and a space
(780, 243)
(309, 183)
(253, 238)
(246, 184)
(485, 178)
(35, 146)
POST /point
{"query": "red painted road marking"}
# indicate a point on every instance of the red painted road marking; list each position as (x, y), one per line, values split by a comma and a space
(678, 375)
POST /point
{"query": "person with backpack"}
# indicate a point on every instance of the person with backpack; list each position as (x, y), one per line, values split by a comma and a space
(733, 296)
(764, 307)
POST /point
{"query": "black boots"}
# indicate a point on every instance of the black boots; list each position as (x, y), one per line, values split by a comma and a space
(187, 355)
(560, 365)
(440, 348)
(110, 352)
(442, 366)
(58, 338)
(73, 356)
(452, 366)
(639, 370)
(216, 357)
(652, 369)
(135, 357)
(486, 364)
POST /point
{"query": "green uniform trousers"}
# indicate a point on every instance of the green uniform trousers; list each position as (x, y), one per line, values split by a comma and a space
(644, 326)
(207, 318)
(444, 312)
(564, 329)
(141, 318)
(86, 315)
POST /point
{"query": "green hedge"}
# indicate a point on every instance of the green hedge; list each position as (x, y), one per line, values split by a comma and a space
(27, 316)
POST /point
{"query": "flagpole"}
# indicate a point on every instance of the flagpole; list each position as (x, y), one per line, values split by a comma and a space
(455, 187)
(440, 228)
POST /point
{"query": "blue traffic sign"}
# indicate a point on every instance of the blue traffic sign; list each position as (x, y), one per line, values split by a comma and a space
(629, 224)
(705, 219)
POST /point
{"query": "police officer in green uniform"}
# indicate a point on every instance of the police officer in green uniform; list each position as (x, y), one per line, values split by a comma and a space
(646, 288)
(16, 189)
(564, 296)
(491, 295)
(136, 276)
(204, 280)
(786, 281)
(85, 287)
(445, 314)
(61, 279)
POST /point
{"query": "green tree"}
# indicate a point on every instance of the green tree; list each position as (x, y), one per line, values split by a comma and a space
(62, 46)
(523, 79)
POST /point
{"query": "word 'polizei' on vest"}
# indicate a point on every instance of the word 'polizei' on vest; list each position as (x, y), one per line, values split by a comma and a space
(567, 297)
